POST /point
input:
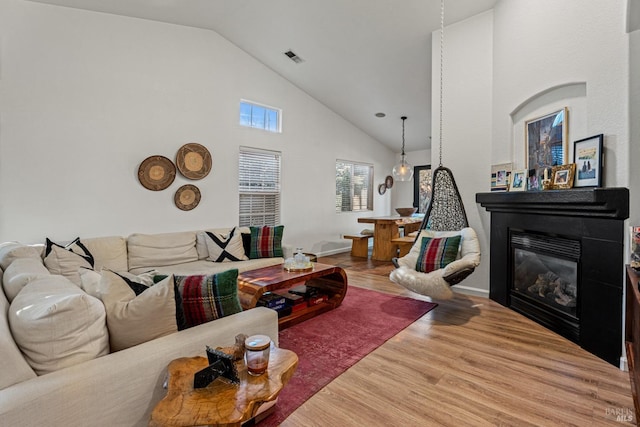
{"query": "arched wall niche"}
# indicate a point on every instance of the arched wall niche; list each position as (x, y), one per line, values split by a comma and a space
(572, 95)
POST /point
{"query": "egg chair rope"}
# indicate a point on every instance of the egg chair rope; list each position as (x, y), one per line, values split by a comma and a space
(445, 210)
(445, 216)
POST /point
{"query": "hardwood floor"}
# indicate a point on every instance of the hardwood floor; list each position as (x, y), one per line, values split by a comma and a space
(469, 362)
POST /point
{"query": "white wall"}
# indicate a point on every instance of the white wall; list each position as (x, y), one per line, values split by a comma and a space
(634, 114)
(550, 44)
(467, 94)
(85, 97)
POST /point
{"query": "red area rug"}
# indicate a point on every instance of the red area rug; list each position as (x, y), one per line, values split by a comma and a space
(331, 343)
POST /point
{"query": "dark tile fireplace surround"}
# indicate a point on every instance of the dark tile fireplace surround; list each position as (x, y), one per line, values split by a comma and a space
(557, 257)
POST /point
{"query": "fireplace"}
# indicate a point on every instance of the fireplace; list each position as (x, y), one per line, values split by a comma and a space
(557, 257)
(544, 280)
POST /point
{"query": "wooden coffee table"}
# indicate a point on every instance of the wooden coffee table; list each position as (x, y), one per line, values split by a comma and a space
(329, 279)
(220, 403)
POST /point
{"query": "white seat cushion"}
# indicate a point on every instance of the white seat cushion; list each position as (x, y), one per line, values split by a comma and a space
(208, 267)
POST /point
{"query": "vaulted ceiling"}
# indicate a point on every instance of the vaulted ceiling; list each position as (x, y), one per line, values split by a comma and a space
(360, 57)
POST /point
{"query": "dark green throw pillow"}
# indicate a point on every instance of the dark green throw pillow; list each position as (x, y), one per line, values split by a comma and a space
(266, 242)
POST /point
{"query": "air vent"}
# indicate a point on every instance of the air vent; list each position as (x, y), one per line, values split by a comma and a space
(292, 56)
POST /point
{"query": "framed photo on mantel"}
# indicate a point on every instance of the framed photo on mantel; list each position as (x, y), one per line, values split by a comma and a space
(589, 159)
(500, 176)
(546, 141)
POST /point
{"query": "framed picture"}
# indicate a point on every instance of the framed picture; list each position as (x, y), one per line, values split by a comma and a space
(546, 141)
(421, 187)
(563, 176)
(534, 183)
(500, 175)
(589, 159)
(519, 180)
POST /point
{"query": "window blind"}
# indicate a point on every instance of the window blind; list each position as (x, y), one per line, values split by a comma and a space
(354, 186)
(259, 187)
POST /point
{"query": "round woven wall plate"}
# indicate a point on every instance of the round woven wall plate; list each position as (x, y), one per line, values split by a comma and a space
(187, 197)
(193, 161)
(156, 173)
(388, 181)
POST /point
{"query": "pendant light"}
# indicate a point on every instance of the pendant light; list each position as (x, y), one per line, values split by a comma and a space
(403, 171)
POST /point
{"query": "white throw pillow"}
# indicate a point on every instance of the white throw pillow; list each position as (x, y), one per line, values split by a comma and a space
(225, 247)
(66, 260)
(57, 325)
(133, 319)
(90, 279)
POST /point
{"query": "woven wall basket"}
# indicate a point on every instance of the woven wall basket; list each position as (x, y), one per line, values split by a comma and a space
(193, 161)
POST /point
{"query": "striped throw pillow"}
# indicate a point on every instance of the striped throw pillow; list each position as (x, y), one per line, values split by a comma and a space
(436, 253)
(266, 242)
(206, 298)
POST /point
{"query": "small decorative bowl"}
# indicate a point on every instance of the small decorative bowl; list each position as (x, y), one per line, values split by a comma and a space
(406, 211)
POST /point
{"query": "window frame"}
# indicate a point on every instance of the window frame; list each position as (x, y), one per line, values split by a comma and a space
(369, 195)
(253, 104)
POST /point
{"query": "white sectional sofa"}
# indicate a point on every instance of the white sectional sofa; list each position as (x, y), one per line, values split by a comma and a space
(108, 388)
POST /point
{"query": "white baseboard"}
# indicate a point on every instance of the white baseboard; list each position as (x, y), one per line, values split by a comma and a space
(471, 291)
(624, 366)
(333, 251)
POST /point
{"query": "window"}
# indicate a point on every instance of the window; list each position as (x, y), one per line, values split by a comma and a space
(259, 116)
(259, 187)
(354, 186)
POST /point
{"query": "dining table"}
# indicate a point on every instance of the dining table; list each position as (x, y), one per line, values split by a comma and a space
(387, 228)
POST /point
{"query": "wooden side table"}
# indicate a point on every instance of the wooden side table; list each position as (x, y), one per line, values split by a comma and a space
(220, 403)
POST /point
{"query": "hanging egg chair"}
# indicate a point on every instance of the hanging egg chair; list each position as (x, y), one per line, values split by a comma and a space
(446, 250)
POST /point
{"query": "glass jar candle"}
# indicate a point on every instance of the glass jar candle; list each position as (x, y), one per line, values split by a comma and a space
(256, 353)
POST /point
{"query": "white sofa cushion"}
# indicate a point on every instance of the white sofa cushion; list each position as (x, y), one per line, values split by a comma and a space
(108, 252)
(12, 364)
(57, 325)
(9, 251)
(133, 319)
(20, 272)
(152, 250)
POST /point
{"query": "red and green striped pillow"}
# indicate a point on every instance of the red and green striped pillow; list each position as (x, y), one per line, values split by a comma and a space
(266, 242)
(436, 253)
(203, 298)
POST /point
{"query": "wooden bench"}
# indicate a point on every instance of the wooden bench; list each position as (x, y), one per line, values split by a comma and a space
(404, 244)
(359, 244)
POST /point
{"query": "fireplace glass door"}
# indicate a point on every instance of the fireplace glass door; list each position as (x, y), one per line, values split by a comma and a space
(547, 279)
